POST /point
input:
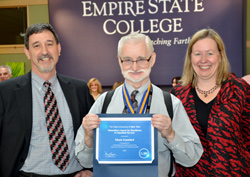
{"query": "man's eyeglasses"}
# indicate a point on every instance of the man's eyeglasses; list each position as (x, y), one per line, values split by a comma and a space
(140, 61)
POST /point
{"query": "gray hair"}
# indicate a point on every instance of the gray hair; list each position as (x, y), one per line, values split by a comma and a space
(135, 37)
(8, 67)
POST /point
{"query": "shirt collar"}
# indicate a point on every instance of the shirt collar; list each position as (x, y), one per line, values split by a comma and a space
(38, 81)
(142, 89)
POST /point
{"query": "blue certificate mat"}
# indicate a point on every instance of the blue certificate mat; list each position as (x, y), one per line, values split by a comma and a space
(125, 145)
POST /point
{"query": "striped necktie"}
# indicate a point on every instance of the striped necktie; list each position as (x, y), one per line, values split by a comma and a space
(57, 138)
(134, 101)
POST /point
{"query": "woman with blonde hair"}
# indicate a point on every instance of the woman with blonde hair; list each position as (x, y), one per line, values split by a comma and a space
(218, 105)
(95, 87)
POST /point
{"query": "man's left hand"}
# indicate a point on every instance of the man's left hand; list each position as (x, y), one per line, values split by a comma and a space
(164, 125)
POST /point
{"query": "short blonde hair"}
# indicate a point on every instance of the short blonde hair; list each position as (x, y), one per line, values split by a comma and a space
(98, 83)
(189, 76)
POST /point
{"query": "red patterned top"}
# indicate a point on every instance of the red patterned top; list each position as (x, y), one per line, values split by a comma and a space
(227, 144)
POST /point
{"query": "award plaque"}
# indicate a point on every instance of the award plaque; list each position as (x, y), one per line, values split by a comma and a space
(125, 143)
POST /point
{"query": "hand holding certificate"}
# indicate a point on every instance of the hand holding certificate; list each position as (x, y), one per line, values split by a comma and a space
(125, 139)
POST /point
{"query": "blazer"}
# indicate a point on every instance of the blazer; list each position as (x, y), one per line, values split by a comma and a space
(227, 143)
(16, 116)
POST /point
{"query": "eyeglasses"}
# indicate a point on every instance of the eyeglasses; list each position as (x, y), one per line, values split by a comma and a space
(140, 61)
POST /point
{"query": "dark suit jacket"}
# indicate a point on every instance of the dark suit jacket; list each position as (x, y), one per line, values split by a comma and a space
(16, 116)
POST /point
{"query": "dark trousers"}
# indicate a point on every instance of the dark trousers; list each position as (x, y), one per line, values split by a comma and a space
(25, 174)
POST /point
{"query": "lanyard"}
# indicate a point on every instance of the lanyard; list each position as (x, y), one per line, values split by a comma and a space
(145, 102)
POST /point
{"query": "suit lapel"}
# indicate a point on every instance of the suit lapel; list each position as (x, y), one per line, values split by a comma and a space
(24, 101)
(70, 94)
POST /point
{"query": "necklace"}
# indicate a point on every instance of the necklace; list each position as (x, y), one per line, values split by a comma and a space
(205, 93)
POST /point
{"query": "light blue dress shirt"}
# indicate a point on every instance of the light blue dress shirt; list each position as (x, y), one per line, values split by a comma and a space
(39, 159)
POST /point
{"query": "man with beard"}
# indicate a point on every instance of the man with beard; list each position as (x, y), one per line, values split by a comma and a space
(136, 57)
(40, 113)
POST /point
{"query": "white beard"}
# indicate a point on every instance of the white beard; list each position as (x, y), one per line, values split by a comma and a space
(145, 71)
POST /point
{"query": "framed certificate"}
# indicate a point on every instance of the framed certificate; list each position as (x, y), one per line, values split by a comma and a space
(125, 141)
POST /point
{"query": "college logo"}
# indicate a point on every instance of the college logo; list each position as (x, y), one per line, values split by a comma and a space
(144, 153)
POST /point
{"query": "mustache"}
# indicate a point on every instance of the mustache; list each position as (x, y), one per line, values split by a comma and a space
(131, 71)
(44, 56)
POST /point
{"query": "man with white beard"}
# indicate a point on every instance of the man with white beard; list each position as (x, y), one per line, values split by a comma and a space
(136, 57)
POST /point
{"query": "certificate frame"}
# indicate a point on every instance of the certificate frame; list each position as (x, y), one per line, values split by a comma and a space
(130, 138)
(132, 169)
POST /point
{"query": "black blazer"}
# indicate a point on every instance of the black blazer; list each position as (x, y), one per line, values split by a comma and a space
(16, 116)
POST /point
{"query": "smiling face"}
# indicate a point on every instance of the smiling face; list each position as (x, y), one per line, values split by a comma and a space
(205, 58)
(135, 50)
(94, 86)
(43, 53)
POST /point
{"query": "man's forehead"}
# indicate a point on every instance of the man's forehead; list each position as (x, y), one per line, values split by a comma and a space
(134, 52)
(2, 70)
(45, 35)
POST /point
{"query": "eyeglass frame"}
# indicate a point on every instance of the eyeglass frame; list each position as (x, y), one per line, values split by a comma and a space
(136, 61)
